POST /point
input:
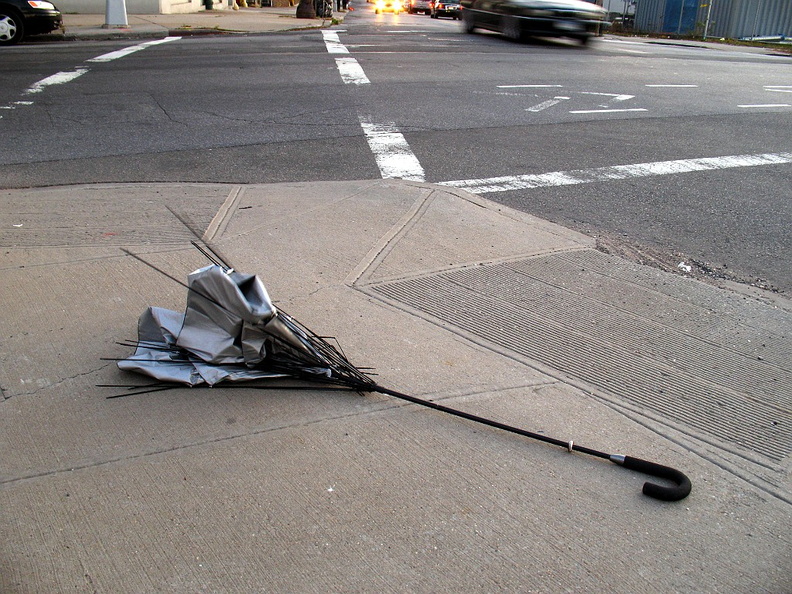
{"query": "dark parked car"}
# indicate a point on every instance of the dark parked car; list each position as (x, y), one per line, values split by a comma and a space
(416, 6)
(19, 18)
(517, 19)
(441, 8)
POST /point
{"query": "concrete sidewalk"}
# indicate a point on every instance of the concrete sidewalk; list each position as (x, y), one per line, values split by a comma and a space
(447, 296)
(156, 26)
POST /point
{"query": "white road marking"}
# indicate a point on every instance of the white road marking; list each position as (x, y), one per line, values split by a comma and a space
(623, 42)
(64, 77)
(130, 50)
(778, 88)
(759, 105)
(556, 100)
(351, 72)
(333, 43)
(546, 104)
(623, 49)
(56, 79)
(672, 86)
(617, 172)
(615, 96)
(394, 157)
(607, 110)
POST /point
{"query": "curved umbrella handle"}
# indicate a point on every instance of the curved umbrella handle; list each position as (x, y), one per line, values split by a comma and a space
(680, 491)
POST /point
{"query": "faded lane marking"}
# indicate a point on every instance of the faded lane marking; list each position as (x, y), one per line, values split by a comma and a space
(394, 157)
(617, 172)
(616, 97)
(130, 50)
(607, 110)
(333, 43)
(546, 104)
(778, 88)
(64, 77)
(351, 72)
(56, 79)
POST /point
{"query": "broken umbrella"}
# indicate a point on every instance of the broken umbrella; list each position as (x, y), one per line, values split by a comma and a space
(231, 331)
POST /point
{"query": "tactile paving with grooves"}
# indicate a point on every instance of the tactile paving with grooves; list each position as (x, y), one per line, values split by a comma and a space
(697, 356)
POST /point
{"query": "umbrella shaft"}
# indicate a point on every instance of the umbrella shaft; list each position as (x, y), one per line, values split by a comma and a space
(489, 422)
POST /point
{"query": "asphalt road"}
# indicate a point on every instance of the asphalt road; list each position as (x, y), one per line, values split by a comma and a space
(652, 147)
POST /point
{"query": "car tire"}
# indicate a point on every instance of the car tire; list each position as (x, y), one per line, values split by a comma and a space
(510, 28)
(12, 28)
(468, 23)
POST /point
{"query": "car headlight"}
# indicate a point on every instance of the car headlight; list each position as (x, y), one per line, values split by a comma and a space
(41, 5)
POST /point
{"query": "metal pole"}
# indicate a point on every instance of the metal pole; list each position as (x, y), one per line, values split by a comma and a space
(681, 12)
(115, 14)
(756, 18)
(707, 22)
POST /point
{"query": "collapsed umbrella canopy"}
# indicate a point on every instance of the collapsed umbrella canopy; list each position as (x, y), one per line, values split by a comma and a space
(231, 331)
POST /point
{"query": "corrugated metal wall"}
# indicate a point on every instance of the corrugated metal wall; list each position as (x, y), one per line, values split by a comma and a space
(649, 15)
(727, 18)
(666, 16)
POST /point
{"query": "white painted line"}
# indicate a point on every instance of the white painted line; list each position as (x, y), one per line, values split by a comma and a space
(765, 105)
(617, 172)
(130, 50)
(546, 104)
(56, 79)
(351, 72)
(607, 110)
(394, 157)
(623, 42)
(615, 96)
(333, 43)
(778, 88)
(672, 86)
(530, 86)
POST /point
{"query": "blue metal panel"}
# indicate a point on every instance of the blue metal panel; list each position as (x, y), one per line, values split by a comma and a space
(727, 18)
(680, 16)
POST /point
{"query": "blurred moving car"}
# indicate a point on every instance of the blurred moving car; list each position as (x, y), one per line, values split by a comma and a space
(19, 18)
(441, 8)
(517, 19)
(394, 6)
(416, 6)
